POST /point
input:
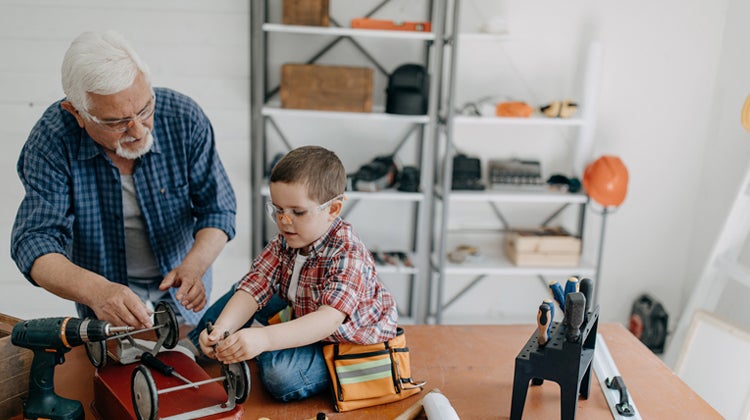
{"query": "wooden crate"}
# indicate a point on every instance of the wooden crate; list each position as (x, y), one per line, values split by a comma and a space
(544, 240)
(544, 247)
(326, 88)
(305, 12)
(15, 364)
(541, 259)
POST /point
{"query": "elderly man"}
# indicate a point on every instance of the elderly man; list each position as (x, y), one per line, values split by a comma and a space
(127, 202)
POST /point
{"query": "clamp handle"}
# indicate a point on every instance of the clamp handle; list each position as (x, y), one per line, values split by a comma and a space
(623, 407)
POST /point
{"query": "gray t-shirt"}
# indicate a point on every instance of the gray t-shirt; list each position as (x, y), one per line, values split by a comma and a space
(139, 255)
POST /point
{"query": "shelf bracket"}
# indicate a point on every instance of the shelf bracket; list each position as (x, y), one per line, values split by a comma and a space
(499, 214)
(462, 292)
(555, 214)
(278, 131)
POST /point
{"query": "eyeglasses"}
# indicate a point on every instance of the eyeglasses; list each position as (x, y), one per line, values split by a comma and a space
(122, 125)
(288, 216)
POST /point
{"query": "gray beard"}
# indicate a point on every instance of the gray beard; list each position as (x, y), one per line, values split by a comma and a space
(134, 154)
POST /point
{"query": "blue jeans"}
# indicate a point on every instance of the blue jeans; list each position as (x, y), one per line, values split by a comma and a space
(287, 374)
(295, 373)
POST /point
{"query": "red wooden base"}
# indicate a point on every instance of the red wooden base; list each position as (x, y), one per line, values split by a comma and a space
(112, 390)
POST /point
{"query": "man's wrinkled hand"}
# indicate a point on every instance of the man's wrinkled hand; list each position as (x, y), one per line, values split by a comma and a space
(191, 292)
(119, 305)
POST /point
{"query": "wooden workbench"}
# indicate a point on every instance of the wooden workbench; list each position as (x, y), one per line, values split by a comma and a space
(473, 367)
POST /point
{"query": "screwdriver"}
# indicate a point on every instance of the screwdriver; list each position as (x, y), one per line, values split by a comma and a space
(571, 286)
(557, 293)
(151, 361)
(544, 321)
(586, 286)
(575, 305)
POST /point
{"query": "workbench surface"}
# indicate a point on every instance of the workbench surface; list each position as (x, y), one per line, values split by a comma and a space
(473, 367)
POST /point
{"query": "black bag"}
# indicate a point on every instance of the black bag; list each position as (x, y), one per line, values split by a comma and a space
(379, 174)
(408, 90)
(467, 173)
(648, 322)
(408, 180)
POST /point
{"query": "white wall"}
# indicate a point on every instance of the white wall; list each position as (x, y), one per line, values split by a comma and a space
(664, 66)
(726, 156)
(197, 47)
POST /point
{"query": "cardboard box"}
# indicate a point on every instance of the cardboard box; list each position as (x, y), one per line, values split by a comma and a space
(305, 12)
(545, 247)
(327, 88)
(15, 365)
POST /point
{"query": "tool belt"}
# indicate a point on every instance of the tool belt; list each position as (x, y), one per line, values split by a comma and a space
(372, 374)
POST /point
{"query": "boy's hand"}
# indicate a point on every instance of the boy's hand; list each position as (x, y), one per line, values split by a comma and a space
(243, 345)
(208, 342)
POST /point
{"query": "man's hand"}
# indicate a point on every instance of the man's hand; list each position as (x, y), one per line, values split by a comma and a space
(191, 293)
(118, 305)
(188, 277)
(112, 302)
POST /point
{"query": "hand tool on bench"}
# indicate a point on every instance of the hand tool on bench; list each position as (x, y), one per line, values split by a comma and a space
(613, 386)
(151, 361)
(439, 407)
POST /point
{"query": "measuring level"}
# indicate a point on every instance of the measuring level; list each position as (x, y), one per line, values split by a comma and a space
(613, 386)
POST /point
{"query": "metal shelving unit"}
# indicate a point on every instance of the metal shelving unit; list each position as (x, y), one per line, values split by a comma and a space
(266, 115)
(494, 262)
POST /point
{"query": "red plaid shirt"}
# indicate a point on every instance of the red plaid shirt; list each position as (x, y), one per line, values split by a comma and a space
(339, 272)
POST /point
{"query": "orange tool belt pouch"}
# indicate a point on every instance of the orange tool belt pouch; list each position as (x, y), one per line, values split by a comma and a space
(372, 374)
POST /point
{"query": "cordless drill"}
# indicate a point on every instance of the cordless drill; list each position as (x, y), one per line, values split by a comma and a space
(50, 339)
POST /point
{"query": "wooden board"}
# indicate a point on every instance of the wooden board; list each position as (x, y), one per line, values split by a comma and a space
(328, 88)
(15, 365)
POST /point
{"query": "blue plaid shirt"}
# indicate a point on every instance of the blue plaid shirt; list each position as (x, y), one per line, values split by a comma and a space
(73, 202)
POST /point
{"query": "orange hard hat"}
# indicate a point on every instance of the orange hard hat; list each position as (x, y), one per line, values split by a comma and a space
(606, 181)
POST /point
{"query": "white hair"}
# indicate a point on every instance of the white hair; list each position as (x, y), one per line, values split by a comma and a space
(99, 62)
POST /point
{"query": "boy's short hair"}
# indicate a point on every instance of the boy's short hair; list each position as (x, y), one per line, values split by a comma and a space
(318, 168)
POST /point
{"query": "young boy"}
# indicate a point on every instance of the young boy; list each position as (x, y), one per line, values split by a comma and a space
(323, 271)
